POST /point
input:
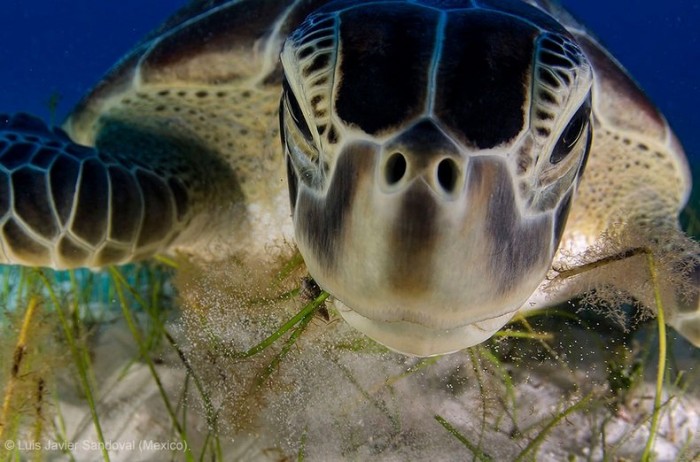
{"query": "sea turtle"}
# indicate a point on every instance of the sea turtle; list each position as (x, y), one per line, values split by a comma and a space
(431, 151)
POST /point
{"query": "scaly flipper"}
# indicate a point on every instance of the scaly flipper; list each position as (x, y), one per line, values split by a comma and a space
(63, 205)
(686, 319)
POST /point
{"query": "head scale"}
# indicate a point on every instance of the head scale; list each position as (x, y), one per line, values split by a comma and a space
(433, 150)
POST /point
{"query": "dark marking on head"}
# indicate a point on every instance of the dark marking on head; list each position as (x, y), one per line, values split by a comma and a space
(126, 205)
(566, 78)
(322, 220)
(382, 45)
(483, 76)
(553, 60)
(320, 81)
(525, 156)
(553, 44)
(543, 131)
(31, 201)
(548, 77)
(547, 96)
(544, 115)
(306, 51)
(92, 209)
(332, 135)
(413, 241)
(518, 244)
(318, 29)
(325, 43)
(425, 141)
(319, 62)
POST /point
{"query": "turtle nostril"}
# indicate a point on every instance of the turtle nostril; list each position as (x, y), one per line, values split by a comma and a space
(395, 168)
(447, 174)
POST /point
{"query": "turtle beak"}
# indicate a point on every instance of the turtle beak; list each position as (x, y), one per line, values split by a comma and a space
(417, 232)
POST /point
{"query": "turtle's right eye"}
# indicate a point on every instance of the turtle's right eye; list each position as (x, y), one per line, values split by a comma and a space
(296, 112)
(572, 133)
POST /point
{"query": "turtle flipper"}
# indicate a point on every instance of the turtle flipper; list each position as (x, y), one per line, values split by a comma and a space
(686, 317)
(64, 205)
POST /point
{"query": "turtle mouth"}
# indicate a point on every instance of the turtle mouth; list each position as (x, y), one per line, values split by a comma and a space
(415, 339)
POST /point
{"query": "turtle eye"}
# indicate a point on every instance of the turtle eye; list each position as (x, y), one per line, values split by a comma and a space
(295, 111)
(571, 134)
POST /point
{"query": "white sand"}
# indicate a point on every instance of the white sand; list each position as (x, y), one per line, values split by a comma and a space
(357, 406)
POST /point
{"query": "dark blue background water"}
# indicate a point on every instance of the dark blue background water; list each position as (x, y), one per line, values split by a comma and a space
(64, 46)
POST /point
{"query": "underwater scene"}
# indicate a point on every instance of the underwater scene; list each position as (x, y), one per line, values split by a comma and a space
(259, 337)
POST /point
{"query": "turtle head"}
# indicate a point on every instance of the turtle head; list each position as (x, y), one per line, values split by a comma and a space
(432, 157)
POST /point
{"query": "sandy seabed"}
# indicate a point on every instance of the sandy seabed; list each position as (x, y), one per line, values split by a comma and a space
(331, 403)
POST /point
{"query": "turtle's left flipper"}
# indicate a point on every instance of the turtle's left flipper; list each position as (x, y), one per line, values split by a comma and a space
(686, 317)
(63, 205)
(668, 275)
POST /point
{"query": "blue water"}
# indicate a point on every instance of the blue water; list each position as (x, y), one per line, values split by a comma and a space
(64, 46)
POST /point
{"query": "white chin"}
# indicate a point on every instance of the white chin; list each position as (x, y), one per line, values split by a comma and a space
(417, 340)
